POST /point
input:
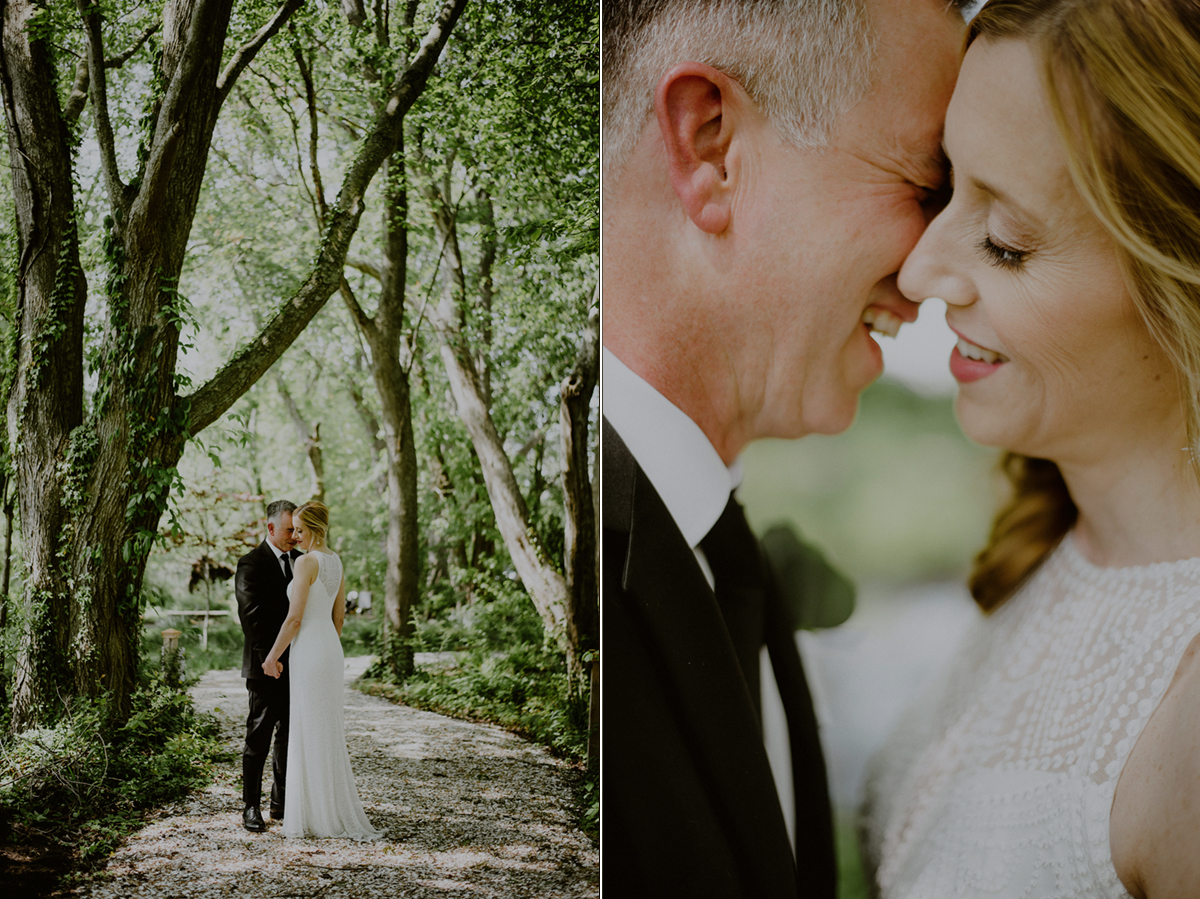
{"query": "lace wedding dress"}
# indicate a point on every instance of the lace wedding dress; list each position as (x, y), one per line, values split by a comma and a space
(322, 798)
(1000, 782)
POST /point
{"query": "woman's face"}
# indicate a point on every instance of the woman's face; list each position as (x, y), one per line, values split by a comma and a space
(304, 536)
(1053, 359)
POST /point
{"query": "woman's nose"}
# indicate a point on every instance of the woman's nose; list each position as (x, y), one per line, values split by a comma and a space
(933, 268)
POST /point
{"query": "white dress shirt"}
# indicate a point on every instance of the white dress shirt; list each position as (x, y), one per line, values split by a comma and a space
(279, 556)
(694, 484)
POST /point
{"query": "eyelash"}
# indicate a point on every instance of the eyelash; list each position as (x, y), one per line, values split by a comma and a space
(1002, 256)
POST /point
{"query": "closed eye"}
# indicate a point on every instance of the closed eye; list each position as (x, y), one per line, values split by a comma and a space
(1001, 256)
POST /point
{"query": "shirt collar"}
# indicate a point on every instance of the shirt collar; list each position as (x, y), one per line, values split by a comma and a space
(275, 549)
(670, 448)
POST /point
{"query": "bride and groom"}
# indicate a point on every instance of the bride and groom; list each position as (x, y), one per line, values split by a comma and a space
(291, 594)
(776, 187)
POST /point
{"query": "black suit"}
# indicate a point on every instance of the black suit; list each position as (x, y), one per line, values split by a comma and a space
(690, 806)
(262, 606)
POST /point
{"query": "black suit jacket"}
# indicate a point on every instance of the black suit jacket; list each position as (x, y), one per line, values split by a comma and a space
(690, 806)
(262, 607)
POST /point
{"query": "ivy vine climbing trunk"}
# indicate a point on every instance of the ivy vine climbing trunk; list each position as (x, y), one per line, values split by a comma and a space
(46, 404)
(94, 481)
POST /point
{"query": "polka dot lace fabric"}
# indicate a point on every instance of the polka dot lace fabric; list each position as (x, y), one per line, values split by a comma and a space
(1000, 782)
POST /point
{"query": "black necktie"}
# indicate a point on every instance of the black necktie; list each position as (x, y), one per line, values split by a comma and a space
(755, 613)
(739, 579)
(287, 567)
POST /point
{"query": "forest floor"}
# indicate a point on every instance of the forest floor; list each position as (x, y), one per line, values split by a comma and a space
(468, 810)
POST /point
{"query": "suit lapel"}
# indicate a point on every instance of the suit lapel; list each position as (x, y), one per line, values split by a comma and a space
(699, 667)
(280, 582)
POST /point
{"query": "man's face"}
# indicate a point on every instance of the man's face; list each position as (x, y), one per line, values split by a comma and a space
(823, 233)
(282, 535)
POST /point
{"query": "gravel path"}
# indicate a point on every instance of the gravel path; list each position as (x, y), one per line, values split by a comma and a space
(469, 810)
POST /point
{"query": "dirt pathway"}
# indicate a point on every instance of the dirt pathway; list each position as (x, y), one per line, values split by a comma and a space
(469, 810)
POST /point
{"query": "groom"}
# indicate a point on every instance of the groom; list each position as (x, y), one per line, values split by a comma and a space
(263, 575)
(767, 168)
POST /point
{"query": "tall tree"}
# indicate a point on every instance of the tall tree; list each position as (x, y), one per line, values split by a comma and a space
(540, 158)
(94, 478)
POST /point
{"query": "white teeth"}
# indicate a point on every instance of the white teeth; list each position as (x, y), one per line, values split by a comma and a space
(978, 353)
(882, 320)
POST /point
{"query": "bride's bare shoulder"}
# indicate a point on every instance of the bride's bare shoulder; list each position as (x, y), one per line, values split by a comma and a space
(1154, 826)
(307, 563)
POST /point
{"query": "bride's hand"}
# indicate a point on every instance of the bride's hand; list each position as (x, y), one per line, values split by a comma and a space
(273, 668)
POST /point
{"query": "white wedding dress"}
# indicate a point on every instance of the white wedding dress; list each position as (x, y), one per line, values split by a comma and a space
(999, 784)
(322, 798)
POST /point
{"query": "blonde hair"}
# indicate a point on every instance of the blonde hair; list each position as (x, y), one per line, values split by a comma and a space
(1123, 79)
(804, 62)
(314, 516)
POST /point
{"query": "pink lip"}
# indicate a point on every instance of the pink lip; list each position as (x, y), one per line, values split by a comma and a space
(966, 370)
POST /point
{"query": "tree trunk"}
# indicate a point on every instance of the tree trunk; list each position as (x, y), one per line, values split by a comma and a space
(46, 405)
(545, 585)
(401, 589)
(389, 355)
(93, 492)
(582, 612)
(310, 436)
(5, 581)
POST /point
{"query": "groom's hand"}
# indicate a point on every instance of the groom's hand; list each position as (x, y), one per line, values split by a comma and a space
(273, 668)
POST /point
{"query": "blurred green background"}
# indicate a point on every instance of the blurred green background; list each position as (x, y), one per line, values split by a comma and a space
(900, 502)
(900, 497)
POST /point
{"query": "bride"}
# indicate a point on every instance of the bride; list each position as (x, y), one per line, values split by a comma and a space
(1061, 755)
(322, 797)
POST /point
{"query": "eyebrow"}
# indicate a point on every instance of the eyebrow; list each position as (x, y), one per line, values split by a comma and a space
(1004, 198)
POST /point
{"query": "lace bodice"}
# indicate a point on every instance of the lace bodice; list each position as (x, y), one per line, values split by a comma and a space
(324, 589)
(1000, 782)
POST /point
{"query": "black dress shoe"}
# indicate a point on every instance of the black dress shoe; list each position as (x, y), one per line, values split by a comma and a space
(252, 819)
(277, 813)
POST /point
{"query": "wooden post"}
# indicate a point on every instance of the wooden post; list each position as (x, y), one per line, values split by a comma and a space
(172, 657)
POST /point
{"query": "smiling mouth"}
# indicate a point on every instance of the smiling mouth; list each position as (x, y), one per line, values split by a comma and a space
(978, 353)
(882, 321)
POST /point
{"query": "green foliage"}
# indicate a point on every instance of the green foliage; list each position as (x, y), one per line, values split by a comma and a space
(902, 495)
(84, 781)
(588, 798)
(852, 880)
(503, 672)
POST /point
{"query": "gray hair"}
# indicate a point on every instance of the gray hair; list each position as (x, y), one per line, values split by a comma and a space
(804, 62)
(277, 508)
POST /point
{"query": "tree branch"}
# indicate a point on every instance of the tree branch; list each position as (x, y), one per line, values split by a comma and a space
(77, 98)
(182, 75)
(115, 62)
(367, 268)
(310, 96)
(246, 53)
(90, 15)
(212, 400)
(365, 322)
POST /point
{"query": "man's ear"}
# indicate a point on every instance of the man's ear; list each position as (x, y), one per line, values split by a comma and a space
(696, 109)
